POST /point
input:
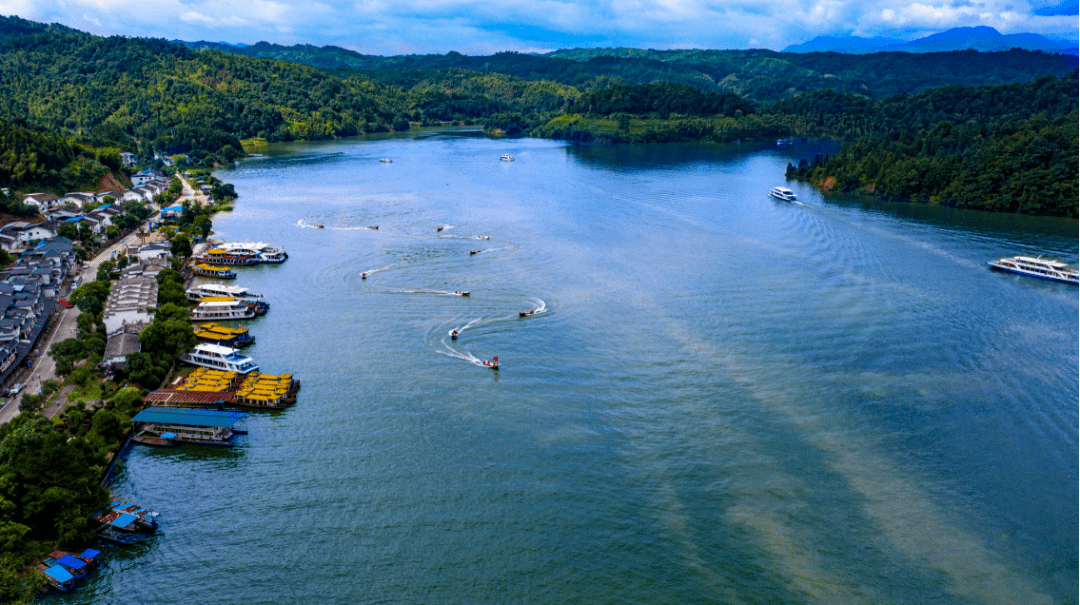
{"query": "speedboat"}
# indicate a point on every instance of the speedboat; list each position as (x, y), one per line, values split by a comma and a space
(363, 276)
(493, 364)
(783, 193)
(319, 227)
(374, 228)
(524, 313)
(462, 293)
(1038, 267)
(506, 157)
(386, 160)
(454, 334)
(475, 251)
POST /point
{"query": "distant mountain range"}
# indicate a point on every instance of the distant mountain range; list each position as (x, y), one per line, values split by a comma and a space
(984, 39)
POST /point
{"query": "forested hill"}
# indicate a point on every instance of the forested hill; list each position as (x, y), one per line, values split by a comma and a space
(757, 75)
(1009, 148)
(171, 98)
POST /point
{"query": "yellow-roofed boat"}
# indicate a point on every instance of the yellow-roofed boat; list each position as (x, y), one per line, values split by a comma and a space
(217, 271)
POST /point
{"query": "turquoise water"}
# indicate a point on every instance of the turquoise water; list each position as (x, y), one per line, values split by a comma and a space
(725, 398)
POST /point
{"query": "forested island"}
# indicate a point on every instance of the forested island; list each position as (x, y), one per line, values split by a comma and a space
(70, 101)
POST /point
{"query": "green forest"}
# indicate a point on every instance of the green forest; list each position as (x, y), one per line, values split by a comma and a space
(70, 101)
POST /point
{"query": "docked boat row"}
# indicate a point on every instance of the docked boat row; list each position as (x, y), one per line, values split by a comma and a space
(1038, 267)
(217, 334)
(263, 253)
(63, 569)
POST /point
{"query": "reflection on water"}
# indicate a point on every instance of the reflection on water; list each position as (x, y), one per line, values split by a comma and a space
(720, 398)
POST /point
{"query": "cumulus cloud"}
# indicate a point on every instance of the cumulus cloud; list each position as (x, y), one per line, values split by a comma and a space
(481, 26)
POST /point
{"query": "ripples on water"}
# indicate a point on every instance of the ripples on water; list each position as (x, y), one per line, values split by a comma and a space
(721, 397)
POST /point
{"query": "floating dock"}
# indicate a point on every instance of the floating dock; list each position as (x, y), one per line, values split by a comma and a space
(185, 425)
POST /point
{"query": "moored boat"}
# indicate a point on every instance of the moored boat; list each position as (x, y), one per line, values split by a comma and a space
(213, 271)
(218, 256)
(262, 252)
(506, 157)
(783, 193)
(1038, 267)
(217, 357)
(221, 308)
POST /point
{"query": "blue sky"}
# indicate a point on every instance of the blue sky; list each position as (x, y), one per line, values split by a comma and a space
(387, 27)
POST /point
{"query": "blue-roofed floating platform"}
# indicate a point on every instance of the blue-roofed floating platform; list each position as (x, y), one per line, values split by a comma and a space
(166, 426)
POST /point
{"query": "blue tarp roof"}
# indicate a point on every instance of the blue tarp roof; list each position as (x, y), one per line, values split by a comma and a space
(173, 209)
(89, 553)
(74, 219)
(71, 562)
(123, 520)
(188, 417)
(59, 574)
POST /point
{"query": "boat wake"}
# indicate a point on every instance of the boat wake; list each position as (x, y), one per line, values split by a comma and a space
(456, 333)
(444, 228)
(541, 306)
(304, 225)
(491, 250)
(367, 274)
(464, 237)
(443, 292)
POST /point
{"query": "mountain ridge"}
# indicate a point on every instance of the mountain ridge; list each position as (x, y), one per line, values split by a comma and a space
(981, 38)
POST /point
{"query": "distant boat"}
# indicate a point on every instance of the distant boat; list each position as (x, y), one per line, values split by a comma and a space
(462, 292)
(454, 334)
(506, 157)
(363, 276)
(319, 227)
(493, 364)
(374, 228)
(1038, 267)
(475, 251)
(386, 160)
(783, 193)
(524, 313)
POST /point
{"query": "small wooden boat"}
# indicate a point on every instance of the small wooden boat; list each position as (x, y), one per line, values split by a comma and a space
(493, 364)
(461, 293)
(453, 334)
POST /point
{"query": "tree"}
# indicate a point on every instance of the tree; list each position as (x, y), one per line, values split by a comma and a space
(181, 246)
(91, 296)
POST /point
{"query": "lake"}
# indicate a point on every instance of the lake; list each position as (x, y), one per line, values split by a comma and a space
(723, 398)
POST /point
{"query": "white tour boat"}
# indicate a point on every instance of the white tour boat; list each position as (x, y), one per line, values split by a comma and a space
(201, 291)
(220, 358)
(263, 252)
(783, 193)
(218, 309)
(506, 157)
(1038, 267)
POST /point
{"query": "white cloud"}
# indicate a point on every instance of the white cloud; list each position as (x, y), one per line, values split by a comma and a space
(481, 26)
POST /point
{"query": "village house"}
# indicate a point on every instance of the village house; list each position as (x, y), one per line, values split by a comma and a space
(41, 201)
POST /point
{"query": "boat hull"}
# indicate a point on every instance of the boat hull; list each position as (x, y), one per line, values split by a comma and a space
(1062, 278)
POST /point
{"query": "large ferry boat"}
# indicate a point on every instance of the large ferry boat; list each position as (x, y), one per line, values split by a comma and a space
(783, 193)
(220, 358)
(221, 308)
(218, 256)
(213, 271)
(263, 252)
(1038, 267)
(201, 292)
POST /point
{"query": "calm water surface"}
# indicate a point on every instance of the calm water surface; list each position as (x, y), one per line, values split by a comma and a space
(725, 398)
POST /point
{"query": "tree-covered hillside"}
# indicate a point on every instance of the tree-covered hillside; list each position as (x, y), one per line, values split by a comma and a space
(757, 75)
(1008, 148)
